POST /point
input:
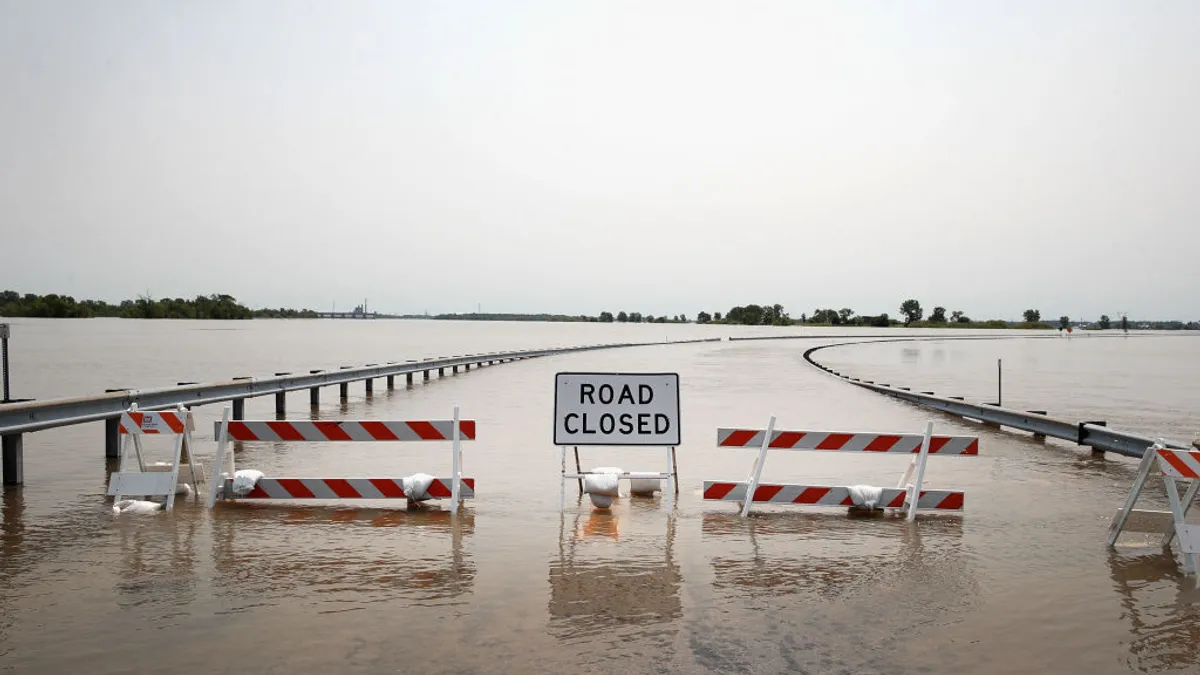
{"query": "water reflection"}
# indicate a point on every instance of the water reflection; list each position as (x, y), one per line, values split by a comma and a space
(1162, 607)
(829, 555)
(341, 558)
(157, 563)
(598, 587)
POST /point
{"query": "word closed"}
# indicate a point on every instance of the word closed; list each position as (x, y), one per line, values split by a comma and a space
(616, 409)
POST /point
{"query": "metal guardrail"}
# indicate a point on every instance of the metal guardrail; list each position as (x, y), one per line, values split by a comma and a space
(1089, 434)
(39, 415)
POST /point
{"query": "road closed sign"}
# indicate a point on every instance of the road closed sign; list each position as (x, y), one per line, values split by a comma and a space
(616, 409)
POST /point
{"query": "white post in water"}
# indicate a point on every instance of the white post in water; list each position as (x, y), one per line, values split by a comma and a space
(915, 494)
(756, 472)
(218, 475)
(455, 469)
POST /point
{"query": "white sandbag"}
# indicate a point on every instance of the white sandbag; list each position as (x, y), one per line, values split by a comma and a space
(416, 486)
(244, 481)
(643, 484)
(135, 507)
(866, 496)
(602, 485)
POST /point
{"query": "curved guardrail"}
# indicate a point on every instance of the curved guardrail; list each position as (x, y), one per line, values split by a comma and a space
(1089, 433)
(38, 415)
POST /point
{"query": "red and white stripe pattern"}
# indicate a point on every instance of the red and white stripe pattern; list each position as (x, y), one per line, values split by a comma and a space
(349, 488)
(819, 495)
(166, 422)
(847, 442)
(357, 430)
(1179, 463)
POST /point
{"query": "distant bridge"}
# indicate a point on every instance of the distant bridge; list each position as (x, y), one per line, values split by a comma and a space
(348, 315)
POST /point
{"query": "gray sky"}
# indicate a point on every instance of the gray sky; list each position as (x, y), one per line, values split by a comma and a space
(574, 157)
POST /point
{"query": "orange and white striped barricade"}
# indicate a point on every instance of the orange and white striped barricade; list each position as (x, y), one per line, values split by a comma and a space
(907, 495)
(1176, 467)
(455, 487)
(158, 480)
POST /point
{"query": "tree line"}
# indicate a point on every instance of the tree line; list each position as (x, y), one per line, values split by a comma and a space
(216, 307)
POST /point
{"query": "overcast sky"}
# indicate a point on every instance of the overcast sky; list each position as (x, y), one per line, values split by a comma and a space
(572, 157)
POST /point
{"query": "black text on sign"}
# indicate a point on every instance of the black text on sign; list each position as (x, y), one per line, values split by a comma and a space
(616, 409)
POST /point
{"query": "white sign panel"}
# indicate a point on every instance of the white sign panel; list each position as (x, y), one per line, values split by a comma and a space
(616, 409)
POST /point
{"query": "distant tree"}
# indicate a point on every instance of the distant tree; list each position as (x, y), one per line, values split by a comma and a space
(683, 318)
(938, 315)
(956, 315)
(881, 321)
(750, 315)
(1032, 316)
(1064, 322)
(911, 309)
(845, 313)
(1105, 322)
(606, 317)
(1125, 324)
(635, 317)
(703, 317)
(803, 318)
(622, 317)
(962, 318)
(717, 316)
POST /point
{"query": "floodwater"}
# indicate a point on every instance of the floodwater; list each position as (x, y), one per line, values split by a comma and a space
(1020, 582)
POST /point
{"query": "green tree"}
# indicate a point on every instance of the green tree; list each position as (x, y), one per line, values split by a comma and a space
(845, 313)
(1064, 322)
(962, 318)
(956, 315)
(1125, 323)
(606, 317)
(717, 316)
(911, 309)
(1032, 316)
(1105, 322)
(622, 317)
(635, 317)
(938, 315)
(703, 317)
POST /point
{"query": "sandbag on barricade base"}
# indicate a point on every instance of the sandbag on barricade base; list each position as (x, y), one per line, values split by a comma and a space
(603, 485)
(866, 497)
(244, 481)
(416, 487)
(135, 507)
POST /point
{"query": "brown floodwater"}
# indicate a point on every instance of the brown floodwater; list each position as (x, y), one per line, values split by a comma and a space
(1020, 582)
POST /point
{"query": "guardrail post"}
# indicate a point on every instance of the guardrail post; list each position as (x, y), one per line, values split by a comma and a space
(441, 372)
(1096, 452)
(408, 379)
(391, 382)
(344, 391)
(314, 393)
(1036, 435)
(426, 378)
(281, 399)
(112, 432)
(370, 386)
(14, 459)
(454, 370)
(112, 437)
(239, 408)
